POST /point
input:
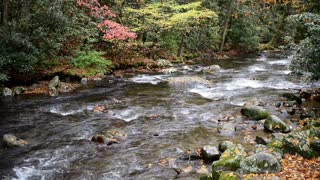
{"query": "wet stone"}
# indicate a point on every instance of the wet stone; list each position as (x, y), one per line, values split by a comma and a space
(260, 163)
(54, 82)
(275, 124)
(254, 112)
(11, 140)
(210, 153)
(225, 145)
(7, 92)
(262, 140)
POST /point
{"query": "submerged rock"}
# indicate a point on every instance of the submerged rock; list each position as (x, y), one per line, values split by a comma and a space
(7, 92)
(210, 153)
(260, 163)
(109, 137)
(102, 139)
(275, 124)
(54, 82)
(224, 145)
(227, 129)
(293, 97)
(11, 140)
(254, 112)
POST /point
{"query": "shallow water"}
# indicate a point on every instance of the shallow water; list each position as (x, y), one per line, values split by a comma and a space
(59, 129)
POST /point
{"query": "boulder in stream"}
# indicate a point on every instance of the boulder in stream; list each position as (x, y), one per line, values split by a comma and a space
(212, 69)
(54, 82)
(7, 92)
(163, 63)
(11, 141)
(260, 163)
(275, 124)
(230, 159)
(210, 153)
(224, 145)
(254, 112)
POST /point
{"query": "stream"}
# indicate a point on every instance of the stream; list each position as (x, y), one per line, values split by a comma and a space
(59, 129)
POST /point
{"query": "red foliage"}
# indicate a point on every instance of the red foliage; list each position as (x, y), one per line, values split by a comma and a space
(110, 29)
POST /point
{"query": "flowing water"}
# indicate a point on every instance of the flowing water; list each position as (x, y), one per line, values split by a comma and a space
(59, 129)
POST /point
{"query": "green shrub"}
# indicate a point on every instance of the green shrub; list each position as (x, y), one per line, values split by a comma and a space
(93, 62)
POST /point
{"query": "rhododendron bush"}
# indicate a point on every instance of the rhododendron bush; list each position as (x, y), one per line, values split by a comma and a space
(110, 29)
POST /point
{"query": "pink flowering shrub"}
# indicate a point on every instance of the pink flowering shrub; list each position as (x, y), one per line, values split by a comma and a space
(110, 29)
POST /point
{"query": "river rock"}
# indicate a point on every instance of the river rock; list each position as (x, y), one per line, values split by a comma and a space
(169, 70)
(230, 159)
(210, 153)
(190, 156)
(191, 81)
(212, 69)
(275, 124)
(300, 142)
(276, 152)
(18, 90)
(11, 140)
(109, 137)
(53, 91)
(163, 63)
(84, 81)
(102, 139)
(224, 145)
(227, 129)
(64, 87)
(293, 97)
(7, 92)
(54, 82)
(225, 175)
(262, 140)
(254, 112)
(260, 163)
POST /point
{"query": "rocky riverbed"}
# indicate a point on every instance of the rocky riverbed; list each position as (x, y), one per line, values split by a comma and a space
(173, 124)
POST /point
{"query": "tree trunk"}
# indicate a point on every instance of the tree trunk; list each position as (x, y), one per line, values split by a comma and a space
(5, 13)
(226, 26)
(180, 50)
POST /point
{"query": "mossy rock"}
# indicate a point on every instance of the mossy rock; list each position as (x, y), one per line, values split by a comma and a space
(230, 159)
(275, 124)
(254, 112)
(300, 142)
(225, 175)
(260, 163)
